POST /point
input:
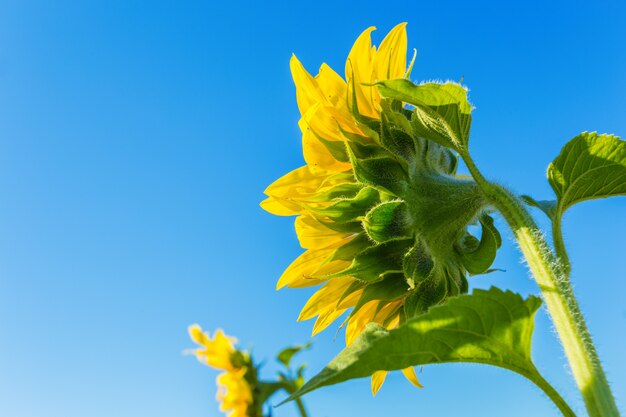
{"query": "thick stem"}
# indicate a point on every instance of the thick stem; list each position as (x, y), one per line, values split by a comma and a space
(558, 295)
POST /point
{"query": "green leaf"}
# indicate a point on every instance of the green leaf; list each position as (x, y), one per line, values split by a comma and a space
(489, 327)
(286, 354)
(589, 166)
(442, 112)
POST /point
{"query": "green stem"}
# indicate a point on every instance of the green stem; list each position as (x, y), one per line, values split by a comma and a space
(559, 245)
(553, 395)
(558, 295)
(301, 408)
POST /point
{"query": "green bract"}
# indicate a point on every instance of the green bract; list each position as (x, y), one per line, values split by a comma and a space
(412, 205)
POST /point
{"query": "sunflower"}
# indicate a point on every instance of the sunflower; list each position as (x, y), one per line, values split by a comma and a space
(235, 385)
(380, 210)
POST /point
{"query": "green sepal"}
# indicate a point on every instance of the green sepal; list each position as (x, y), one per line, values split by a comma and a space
(349, 250)
(340, 191)
(373, 263)
(387, 221)
(391, 287)
(426, 294)
(355, 137)
(478, 260)
(365, 151)
(336, 148)
(347, 227)
(397, 115)
(380, 172)
(396, 140)
(350, 209)
(417, 265)
(431, 156)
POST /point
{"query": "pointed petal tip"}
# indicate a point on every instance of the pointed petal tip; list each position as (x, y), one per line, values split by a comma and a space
(378, 378)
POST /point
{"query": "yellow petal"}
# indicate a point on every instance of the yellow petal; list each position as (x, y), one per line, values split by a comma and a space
(391, 55)
(281, 207)
(310, 264)
(324, 320)
(317, 156)
(332, 86)
(410, 374)
(359, 70)
(296, 183)
(314, 235)
(197, 335)
(299, 188)
(234, 392)
(359, 320)
(308, 92)
(387, 311)
(351, 299)
(378, 378)
(326, 298)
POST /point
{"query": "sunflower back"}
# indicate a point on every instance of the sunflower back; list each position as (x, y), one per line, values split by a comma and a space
(382, 213)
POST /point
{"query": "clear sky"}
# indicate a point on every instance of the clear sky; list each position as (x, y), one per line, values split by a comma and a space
(136, 139)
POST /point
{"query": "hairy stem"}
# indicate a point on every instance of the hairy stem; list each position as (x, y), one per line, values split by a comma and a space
(558, 295)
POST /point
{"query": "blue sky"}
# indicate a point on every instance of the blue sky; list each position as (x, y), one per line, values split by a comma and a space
(136, 139)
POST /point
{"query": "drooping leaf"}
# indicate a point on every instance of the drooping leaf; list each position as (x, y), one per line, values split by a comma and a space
(589, 166)
(489, 327)
(480, 259)
(442, 112)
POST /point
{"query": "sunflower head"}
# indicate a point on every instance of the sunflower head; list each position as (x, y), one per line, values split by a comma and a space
(237, 393)
(382, 213)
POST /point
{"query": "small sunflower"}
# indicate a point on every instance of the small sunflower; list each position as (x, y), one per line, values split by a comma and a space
(236, 384)
(380, 210)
